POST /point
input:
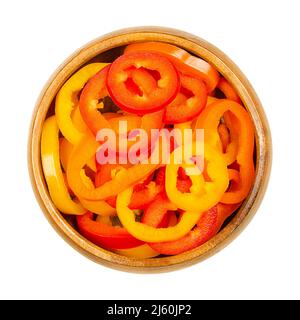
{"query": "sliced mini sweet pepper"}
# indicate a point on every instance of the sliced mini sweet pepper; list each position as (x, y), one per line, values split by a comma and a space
(100, 206)
(242, 131)
(67, 100)
(143, 194)
(53, 172)
(82, 152)
(182, 60)
(212, 188)
(147, 233)
(109, 237)
(189, 102)
(228, 90)
(209, 120)
(145, 251)
(208, 226)
(203, 231)
(152, 94)
(91, 101)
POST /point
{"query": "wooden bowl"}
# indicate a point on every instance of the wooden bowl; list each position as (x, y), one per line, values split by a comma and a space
(106, 48)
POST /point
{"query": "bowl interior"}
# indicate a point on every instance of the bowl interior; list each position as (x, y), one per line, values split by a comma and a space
(106, 49)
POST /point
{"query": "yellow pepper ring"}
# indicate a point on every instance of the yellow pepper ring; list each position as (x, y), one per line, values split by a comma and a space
(53, 172)
(66, 101)
(213, 190)
(210, 125)
(147, 233)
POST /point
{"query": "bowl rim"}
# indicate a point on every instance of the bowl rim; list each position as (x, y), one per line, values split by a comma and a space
(229, 70)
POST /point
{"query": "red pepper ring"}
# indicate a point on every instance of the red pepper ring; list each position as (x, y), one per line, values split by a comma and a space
(151, 93)
(182, 60)
(106, 236)
(93, 92)
(91, 101)
(189, 102)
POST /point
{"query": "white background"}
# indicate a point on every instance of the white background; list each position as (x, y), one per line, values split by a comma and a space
(262, 37)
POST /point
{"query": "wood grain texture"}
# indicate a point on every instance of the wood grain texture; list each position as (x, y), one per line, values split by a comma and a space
(228, 69)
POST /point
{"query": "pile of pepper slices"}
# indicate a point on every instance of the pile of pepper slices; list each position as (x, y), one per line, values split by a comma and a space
(146, 210)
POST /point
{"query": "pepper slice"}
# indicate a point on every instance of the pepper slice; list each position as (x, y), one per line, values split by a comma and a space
(209, 120)
(53, 172)
(242, 129)
(81, 153)
(91, 101)
(203, 231)
(66, 101)
(211, 190)
(153, 94)
(143, 194)
(182, 60)
(228, 90)
(99, 207)
(147, 233)
(106, 236)
(189, 102)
